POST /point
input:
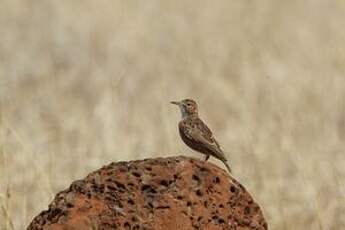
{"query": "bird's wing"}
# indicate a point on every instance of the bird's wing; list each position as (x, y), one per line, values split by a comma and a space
(200, 133)
(206, 132)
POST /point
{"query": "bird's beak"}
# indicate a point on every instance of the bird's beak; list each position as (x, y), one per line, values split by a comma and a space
(175, 102)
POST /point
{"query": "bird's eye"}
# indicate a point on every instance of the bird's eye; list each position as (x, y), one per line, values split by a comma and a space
(189, 104)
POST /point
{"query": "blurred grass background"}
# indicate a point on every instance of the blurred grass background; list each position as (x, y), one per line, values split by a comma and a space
(85, 83)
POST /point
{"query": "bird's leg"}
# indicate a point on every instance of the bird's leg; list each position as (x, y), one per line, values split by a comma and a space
(206, 158)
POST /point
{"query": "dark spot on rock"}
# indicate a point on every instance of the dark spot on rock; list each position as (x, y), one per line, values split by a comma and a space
(198, 192)
(232, 189)
(77, 185)
(148, 188)
(164, 183)
(136, 174)
(203, 169)
(120, 185)
(110, 187)
(246, 210)
(130, 202)
(127, 225)
(221, 221)
(241, 187)
(150, 205)
(88, 195)
(130, 184)
(196, 178)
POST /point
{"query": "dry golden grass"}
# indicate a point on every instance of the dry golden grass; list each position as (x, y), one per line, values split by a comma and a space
(84, 83)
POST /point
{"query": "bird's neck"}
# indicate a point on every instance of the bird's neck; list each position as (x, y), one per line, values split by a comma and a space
(189, 115)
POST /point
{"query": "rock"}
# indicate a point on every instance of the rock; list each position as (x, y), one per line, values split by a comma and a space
(161, 193)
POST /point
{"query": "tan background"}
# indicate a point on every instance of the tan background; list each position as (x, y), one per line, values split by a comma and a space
(85, 83)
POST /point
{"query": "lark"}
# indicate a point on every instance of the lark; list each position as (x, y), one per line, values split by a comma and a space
(195, 133)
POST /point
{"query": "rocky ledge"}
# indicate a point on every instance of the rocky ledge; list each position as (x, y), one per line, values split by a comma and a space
(160, 193)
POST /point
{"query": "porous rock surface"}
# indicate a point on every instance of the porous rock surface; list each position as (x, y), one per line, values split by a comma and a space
(162, 193)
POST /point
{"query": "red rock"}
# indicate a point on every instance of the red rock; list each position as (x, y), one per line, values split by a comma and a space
(162, 193)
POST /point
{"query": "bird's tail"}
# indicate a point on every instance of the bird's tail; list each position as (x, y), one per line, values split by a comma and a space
(227, 166)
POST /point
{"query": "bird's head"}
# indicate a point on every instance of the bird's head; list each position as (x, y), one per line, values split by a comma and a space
(188, 107)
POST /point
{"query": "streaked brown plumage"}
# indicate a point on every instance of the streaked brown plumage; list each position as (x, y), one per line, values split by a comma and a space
(195, 133)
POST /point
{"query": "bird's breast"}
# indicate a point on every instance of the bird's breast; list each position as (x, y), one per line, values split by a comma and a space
(183, 130)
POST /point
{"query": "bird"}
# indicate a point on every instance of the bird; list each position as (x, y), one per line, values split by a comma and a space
(195, 133)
